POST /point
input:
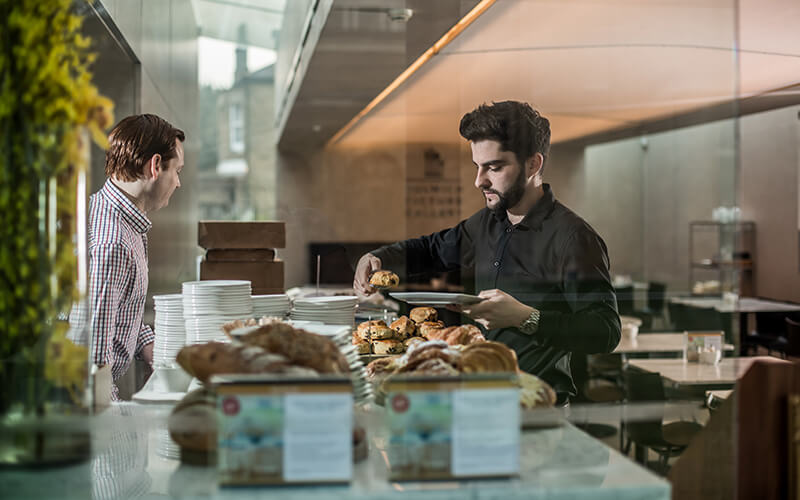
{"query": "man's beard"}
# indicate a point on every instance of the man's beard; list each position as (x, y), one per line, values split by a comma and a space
(511, 196)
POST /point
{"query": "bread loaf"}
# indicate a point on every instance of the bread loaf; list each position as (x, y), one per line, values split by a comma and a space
(300, 347)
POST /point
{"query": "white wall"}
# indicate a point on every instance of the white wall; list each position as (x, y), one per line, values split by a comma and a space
(163, 36)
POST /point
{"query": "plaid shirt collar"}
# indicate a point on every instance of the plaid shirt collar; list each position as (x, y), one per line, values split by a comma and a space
(130, 213)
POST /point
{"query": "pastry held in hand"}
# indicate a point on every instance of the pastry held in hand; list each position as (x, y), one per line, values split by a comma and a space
(422, 314)
(384, 280)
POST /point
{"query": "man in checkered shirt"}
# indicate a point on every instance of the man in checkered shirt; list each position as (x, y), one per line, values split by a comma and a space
(143, 164)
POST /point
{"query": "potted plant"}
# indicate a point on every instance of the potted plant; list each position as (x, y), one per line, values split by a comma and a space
(49, 110)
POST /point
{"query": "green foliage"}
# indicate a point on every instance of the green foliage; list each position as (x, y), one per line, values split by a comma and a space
(46, 99)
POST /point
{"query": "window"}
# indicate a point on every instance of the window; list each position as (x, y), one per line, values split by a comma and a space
(236, 124)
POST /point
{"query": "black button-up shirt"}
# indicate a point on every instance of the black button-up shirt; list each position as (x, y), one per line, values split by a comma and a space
(552, 260)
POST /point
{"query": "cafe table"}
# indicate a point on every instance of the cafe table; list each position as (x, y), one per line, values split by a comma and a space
(656, 344)
(699, 376)
(745, 307)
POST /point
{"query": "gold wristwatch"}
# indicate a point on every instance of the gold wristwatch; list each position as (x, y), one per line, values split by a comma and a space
(531, 323)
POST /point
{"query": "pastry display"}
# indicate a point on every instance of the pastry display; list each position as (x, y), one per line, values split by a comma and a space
(381, 367)
(388, 346)
(458, 335)
(301, 347)
(412, 341)
(384, 279)
(275, 347)
(193, 425)
(380, 338)
(488, 356)
(427, 328)
(423, 314)
(535, 393)
(404, 327)
(382, 333)
(363, 347)
(364, 330)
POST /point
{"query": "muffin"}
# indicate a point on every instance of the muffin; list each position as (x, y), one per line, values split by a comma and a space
(388, 347)
(423, 314)
(363, 347)
(404, 327)
(382, 333)
(364, 329)
(384, 279)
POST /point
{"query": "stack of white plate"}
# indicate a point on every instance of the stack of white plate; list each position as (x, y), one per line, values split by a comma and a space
(166, 447)
(342, 335)
(272, 306)
(207, 305)
(170, 328)
(336, 310)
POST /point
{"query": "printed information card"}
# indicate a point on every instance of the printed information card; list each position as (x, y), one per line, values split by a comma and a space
(278, 431)
(486, 432)
(453, 427)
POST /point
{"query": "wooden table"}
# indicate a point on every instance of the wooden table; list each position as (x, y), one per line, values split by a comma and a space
(681, 373)
(656, 343)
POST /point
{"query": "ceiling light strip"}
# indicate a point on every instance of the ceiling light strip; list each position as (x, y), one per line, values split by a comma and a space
(434, 49)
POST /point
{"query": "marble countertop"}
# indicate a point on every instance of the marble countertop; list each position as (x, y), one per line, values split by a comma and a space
(130, 442)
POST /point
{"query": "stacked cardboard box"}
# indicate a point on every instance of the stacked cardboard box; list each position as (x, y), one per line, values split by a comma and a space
(243, 251)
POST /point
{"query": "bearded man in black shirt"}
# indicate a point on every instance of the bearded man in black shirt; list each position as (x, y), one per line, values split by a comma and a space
(542, 270)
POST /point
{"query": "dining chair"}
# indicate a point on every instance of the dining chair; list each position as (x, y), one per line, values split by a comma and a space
(667, 440)
(791, 343)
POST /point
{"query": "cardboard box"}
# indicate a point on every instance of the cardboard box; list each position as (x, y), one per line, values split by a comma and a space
(241, 235)
(262, 275)
(248, 255)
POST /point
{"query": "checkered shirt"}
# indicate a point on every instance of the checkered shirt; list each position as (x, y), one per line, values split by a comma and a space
(118, 280)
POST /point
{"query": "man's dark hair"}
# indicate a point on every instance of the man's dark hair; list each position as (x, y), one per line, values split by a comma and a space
(134, 140)
(515, 125)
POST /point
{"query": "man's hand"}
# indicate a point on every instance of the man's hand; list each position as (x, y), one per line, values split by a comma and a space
(147, 353)
(366, 265)
(499, 310)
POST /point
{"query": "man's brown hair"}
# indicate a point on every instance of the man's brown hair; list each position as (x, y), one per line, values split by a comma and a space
(134, 141)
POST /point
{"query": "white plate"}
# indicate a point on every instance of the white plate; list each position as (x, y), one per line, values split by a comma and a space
(158, 397)
(436, 298)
